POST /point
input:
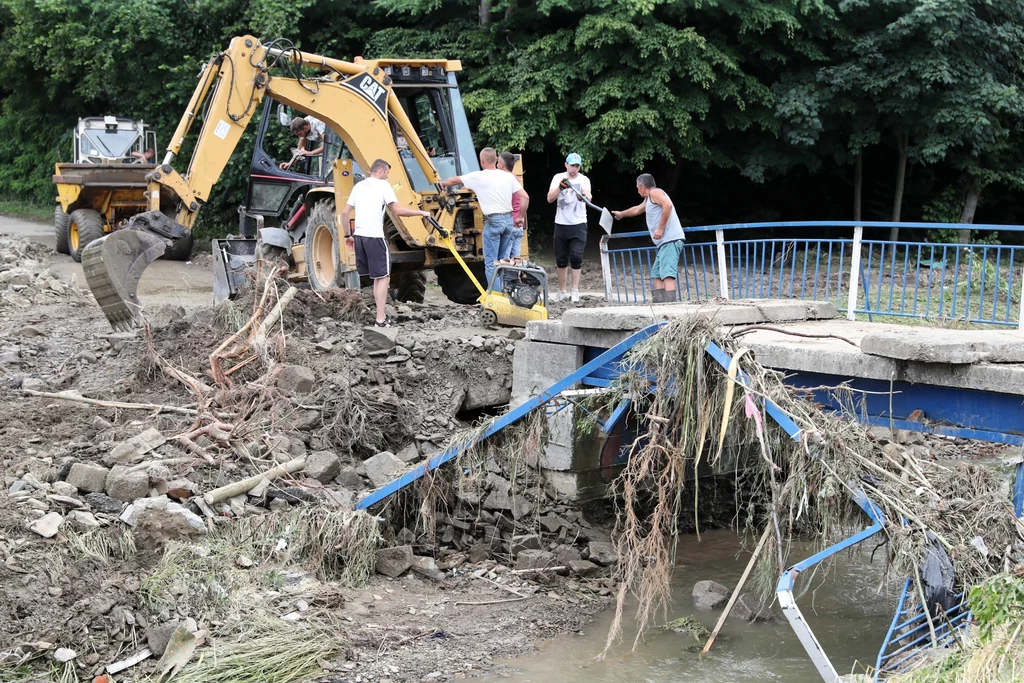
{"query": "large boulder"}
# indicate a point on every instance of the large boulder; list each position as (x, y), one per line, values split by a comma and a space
(534, 559)
(126, 484)
(602, 553)
(158, 520)
(709, 595)
(395, 561)
(746, 608)
(379, 339)
(295, 379)
(382, 467)
(322, 466)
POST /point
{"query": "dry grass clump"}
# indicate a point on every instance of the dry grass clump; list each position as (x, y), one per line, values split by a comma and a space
(333, 545)
(102, 545)
(265, 650)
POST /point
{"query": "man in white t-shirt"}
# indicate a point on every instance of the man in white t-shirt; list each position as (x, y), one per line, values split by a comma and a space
(570, 224)
(371, 198)
(494, 190)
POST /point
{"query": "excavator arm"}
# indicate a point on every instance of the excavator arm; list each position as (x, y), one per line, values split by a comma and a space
(355, 99)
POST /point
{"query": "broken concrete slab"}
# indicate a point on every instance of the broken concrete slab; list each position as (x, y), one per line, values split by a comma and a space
(736, 312)
(584, 568)
(957, 347)
(47, 525)
(427, 566)
(409, 454)
(158, 520)
(534, 559)
(602, 553)
(88, 477)
(133, 449)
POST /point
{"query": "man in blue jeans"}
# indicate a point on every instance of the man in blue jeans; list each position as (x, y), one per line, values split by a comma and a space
(494, 190)
(666, 233)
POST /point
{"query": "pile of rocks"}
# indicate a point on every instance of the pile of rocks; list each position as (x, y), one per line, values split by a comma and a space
(24, 279)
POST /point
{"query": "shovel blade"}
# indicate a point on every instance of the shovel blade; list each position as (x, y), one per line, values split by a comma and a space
(606, 221)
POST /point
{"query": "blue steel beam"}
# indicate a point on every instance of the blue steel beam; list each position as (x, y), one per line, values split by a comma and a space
(611, 355)
(966, 413)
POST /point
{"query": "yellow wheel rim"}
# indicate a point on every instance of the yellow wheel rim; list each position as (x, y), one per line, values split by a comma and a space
(73, 237)
(323, 255)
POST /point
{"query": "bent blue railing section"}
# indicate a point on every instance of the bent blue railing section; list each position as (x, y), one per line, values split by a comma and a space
(978, 283)
(910, 630)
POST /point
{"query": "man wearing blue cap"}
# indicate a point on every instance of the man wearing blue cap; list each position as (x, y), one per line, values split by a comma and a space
(570, 224)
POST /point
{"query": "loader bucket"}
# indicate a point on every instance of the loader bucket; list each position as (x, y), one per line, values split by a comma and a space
(231, 258)
(113, 266)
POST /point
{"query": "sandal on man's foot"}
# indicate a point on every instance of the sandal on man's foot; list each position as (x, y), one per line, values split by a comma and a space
(387, 322)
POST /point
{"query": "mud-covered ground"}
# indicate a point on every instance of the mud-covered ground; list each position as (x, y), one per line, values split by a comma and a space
(90, 567)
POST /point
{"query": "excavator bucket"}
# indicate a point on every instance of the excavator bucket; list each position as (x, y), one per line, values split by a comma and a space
(113, 266)
(231, 258)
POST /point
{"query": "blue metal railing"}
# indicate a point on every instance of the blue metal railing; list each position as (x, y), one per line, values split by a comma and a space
(910, 631)
(975, 283)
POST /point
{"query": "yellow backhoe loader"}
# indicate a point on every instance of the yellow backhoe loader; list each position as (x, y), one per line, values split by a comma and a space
(407, 112)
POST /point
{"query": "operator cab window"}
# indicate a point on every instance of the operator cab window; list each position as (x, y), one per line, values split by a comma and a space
(430, 114)
(280, 144)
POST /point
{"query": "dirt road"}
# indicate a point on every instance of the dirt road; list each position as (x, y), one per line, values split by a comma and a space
(188, 284)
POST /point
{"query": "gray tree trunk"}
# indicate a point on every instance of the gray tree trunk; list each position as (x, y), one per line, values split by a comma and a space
(902, 143)
(485, 12)
(858, 183)
(970, 206)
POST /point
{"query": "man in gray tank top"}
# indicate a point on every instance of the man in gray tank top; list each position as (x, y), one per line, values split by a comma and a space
(666, 232)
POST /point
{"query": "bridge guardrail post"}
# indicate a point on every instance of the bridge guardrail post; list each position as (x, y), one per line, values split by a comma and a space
(606, 269)
(1020, 314)
(723, 275)
(854, 280)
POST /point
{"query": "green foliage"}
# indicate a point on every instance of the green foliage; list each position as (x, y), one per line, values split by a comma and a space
(997, 601)
(758, 88)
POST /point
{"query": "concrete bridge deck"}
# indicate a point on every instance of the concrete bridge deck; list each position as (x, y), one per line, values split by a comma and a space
(963, 383)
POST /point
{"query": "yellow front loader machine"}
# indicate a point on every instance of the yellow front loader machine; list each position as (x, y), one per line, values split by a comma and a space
(407, 112)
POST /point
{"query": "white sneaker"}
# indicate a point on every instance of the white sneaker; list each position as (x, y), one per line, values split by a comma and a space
(558, 296)
(575, 296)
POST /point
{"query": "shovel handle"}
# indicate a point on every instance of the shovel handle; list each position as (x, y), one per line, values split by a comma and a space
(586, 201)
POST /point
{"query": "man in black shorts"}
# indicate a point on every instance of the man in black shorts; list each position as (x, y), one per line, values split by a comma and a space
(570, 224)
(370, 198)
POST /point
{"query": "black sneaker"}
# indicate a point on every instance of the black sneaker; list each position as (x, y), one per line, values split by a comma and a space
(387, 322)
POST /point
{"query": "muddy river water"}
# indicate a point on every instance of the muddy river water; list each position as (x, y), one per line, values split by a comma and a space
(847, 610)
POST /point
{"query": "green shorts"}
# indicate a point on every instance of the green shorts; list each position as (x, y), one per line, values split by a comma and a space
(666, 263)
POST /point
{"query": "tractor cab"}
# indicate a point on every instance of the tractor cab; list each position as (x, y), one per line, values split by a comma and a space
(113, 140)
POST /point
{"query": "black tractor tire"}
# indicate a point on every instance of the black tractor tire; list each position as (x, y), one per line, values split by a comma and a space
(180, 249)
(323, 261)
(86, 227)
(409, 286)
(61, 229)
(457, 286)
